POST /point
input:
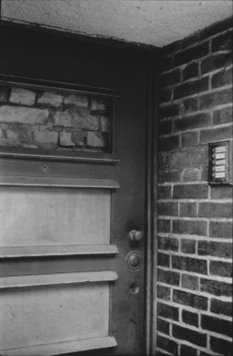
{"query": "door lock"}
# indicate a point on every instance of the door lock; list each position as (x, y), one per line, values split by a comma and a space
(134, 260)
(135, 235)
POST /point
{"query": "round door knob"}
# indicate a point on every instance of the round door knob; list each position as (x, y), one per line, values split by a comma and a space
(135, 235)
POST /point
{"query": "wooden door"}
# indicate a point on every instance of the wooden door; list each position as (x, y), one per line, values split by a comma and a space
(73, 224)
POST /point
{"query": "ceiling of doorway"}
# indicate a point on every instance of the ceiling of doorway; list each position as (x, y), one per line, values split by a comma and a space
(151, 22)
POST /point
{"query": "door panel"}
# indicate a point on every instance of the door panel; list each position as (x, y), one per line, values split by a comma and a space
(72, 229)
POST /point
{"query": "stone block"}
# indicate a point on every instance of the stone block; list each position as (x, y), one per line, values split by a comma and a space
(104, 124)
(22, 96)
(95, 140)
(65, 139)
(3, 94)
(80, 101)
(50, 98)
(62, 118)
(45, 138)
(98, 104)
(23, 115)
(78, 137)
(91, 123)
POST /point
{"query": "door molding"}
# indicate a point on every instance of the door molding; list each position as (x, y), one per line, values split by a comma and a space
(151, 198)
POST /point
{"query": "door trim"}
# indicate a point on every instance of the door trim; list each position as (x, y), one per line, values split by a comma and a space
(151, 198)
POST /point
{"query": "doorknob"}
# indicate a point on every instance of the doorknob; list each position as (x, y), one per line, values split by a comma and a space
(135, 235)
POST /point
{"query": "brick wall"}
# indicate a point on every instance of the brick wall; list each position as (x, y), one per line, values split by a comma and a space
(53, 120)
(194, 300)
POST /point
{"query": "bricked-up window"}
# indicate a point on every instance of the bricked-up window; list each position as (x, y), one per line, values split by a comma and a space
(54, 120)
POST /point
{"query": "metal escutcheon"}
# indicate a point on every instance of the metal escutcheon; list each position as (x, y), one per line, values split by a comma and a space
(134, 260)
(135, 235)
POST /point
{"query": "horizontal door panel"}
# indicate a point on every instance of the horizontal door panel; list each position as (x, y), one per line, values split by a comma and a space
(50, 216)
(55, 310)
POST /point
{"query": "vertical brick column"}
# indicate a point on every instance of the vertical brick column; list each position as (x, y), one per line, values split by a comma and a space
(194, 289)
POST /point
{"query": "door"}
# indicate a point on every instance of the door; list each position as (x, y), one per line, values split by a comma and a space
(74, 232)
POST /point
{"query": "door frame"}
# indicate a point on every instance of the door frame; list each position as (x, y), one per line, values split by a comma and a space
(152, 71)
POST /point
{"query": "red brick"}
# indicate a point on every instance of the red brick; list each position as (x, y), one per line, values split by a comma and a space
(221, 307)
(189, 317)
(164, 192)
(168, 243)
(169, 143)
(170, 78)
(163, 160)
(212, 248)
(169, 111)
(169, 175)
(166, 63)
(188, 209)
(163, 292)
(167, 311)
(189, 139)
(190, 105)
(169, 208)
(163, 326)
(188, 246)
(192, 336)
(190, 71)
(189, 264)
(192, 122)
(213, 135)
(169, 277)
(190, 88)
(191, 54)
(220, 268)
(190, 227)
(222, 116)
(221, 229)
(195, 157)
(164, 225)
(216, 288)
(214, 62)
(222, 192)
(215, 210)
(165, 127)
(163, 260)
(190, 282)
(220, 40)
(221, 346)
(167, 344)
(165, 95)
(187, 351)
(217, 325)
(221, 78)
(190, 191)
(215, 98)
